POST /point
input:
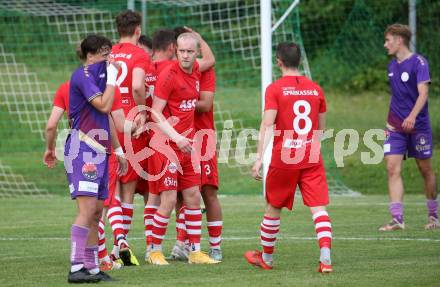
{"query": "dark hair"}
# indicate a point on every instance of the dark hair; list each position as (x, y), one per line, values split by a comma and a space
(127, 21)
(146, 41)
(289, 54)
(399, 30)
(179, 30)
(162, 39)
(93, 44)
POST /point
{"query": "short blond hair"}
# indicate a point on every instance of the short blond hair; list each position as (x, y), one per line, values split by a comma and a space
(189, 35)
(400, 30)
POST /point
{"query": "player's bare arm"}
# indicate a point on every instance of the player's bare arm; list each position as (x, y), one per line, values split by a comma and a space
(49, 158)
(265, 135)
(409, 122)
(204, 104)
(104, 102)
(158, 117)
(122, 168)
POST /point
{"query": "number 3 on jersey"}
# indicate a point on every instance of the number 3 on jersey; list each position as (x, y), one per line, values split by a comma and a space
(121, 78)
(302, 116)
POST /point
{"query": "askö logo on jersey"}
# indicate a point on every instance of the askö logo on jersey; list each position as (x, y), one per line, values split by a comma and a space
(292, 91)
(187, 105)
(90, 171)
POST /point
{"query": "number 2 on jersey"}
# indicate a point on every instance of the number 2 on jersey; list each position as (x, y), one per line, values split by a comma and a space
(122, 76)
(302, 116)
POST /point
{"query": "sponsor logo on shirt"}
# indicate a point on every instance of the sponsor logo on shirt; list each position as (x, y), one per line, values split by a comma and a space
(90, 171)
(121, 55)
(187, 105)
(292, 91)
(125, 101)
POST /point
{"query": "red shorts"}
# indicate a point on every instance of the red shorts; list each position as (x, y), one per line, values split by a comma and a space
(209, 172)
(133, 173)
(281, 185)
(113, 179)
(169, 178)
(142, 186)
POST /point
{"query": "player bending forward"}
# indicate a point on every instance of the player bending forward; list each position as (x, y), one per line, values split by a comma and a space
(296, 106)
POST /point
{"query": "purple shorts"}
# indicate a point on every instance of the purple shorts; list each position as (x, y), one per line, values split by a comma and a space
(87, 176)
(417, 144)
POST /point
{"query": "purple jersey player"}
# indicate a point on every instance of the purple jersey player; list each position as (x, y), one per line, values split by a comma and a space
(408, 127)
(91, 95)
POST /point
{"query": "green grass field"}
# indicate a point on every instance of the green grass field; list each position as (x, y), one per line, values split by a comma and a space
(35, 247)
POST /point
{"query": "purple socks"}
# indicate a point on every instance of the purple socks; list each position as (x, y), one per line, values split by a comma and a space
(396, 210)
(78, 238)
(432, 205)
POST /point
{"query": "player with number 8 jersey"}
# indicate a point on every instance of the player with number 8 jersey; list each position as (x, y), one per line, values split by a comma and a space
(295, 113)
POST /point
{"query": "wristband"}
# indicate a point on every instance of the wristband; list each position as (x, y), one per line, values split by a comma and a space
(112, 74)
(119, 152)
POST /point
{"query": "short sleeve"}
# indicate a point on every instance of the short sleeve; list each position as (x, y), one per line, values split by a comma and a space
(207, 81)
(89, 89)
(422, 70)
(165, 84)
(142, 61)
(322, 103)
(117, 102)
(60, 96)
(270, 99)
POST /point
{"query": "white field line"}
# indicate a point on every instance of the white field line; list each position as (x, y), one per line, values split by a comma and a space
(238, 238)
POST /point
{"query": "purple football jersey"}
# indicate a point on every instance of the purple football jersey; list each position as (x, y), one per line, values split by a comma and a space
(90, 127)
(404, 78)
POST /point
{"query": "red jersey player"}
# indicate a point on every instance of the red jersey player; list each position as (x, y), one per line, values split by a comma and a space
(134, 62)
(177, 91)
(296, 107)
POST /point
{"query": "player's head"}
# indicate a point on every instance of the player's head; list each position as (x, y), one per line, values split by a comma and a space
(164, 40)
(95, 48)
(396, 37)
(128, 24)
(288, 55)
(146, 44)
(179, 30)
(187, 50)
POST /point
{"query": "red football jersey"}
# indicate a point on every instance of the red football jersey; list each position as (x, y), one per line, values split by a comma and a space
(117, 100)
(207, 84)
(298, 102)
(181, 91)
(151, 75)
(61, 99)
(129, 56)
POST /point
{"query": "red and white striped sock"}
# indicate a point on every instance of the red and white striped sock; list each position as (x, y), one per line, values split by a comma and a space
(323, 228)
(215, 233)
(160, 224)
(193, 223)
(180, 226)
(114, 216)
(269, 230)
(149, 212)
(102, 250)
(127, 216)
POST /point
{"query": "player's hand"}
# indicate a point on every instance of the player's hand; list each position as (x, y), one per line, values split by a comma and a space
(256, 169)
(408, 123)
(184, 145)
(49, 158)
(189, 30)
(139, 123)
(122, 166)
